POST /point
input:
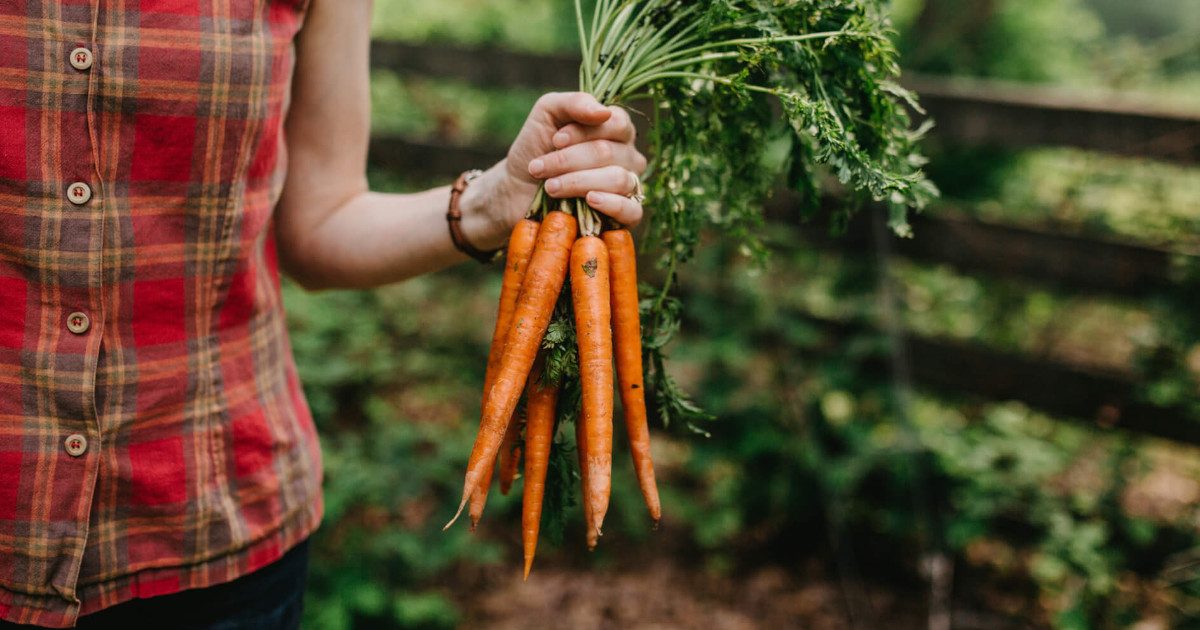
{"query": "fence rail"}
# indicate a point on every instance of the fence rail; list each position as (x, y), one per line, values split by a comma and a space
(970, 113)
(1103, 399)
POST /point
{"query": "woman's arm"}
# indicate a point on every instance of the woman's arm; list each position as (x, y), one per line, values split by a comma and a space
(333, 232)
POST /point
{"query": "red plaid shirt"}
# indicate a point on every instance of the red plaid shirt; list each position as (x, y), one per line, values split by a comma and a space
(153, 433)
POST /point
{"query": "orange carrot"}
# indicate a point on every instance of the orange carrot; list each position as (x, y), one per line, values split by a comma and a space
(539, 434)
(510, 455)
(479, 498)
(593, 331)
(627, 340)
(543, 281)
(581, 448)
(516, 262)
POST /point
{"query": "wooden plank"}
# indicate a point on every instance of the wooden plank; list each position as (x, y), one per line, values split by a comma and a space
(1104, 399)
(1066, 262)
(419, 160)
(1005, 115)
(487, 66)
(966, 112)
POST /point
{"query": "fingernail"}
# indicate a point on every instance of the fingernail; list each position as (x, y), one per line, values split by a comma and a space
(561, 138)
(552, 185)
(536, 167)
(594, 198)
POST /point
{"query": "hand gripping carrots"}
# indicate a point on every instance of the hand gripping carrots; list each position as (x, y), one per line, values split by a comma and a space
(602, 269)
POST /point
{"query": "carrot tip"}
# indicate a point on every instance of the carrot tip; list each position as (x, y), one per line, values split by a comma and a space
(461, 506)
(655, 526)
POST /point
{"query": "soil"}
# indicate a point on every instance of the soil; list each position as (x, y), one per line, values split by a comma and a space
(658, 593)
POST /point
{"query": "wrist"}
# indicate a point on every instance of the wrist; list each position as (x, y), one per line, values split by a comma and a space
(490, 208)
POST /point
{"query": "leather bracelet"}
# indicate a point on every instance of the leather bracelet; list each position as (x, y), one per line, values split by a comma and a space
(454, 220)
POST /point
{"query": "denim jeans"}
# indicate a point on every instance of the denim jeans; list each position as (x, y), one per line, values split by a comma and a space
(271, 598)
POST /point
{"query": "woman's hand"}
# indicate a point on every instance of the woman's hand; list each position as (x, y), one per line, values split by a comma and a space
(580, 148)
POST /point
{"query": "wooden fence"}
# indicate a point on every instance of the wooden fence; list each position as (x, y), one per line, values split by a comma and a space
(967, 113)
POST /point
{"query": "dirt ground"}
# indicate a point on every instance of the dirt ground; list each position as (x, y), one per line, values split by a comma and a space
(663, 595)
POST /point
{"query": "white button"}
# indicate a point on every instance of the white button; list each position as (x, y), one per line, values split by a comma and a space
(79, 193)
(78, 323)
(81, 59)
(75, 444)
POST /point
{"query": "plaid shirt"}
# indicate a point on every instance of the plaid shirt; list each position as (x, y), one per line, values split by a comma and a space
(153, 433)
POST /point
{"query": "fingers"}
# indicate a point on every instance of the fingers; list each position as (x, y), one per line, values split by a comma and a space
(622, 209)
(596, 157)
(564, 108)
(610, 179)
(589, 155)
(618, 127)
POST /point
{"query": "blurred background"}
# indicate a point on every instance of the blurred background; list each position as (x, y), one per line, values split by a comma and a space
(995, 424)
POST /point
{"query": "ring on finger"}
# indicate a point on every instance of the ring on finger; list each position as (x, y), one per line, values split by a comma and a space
(637, 195)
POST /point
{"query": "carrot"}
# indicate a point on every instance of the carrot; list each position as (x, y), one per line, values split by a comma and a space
(510, 455)
(520, 250)
(539, 292)
(539, 434)
(516, 262)
(581, 448)
(593, 331)
(507, 461)
(479, 498)
(627, 340)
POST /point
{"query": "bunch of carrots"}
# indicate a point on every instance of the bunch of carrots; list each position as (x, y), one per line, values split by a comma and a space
(602, 268)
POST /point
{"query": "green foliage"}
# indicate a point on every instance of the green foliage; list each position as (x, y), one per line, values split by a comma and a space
(393, 450)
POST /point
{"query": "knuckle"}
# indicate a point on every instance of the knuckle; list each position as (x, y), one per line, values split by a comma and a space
(624, 122)
(603, 152)
(620, 177)
(640, 162)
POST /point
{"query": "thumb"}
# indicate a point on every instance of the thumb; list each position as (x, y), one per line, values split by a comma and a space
(563, 108)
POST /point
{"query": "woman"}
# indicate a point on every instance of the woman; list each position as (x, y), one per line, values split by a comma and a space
(159, 162)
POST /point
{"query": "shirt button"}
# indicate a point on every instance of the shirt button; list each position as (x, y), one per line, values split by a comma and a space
(81, 59)
(78, 323)
(75, 444)
(79, 193)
